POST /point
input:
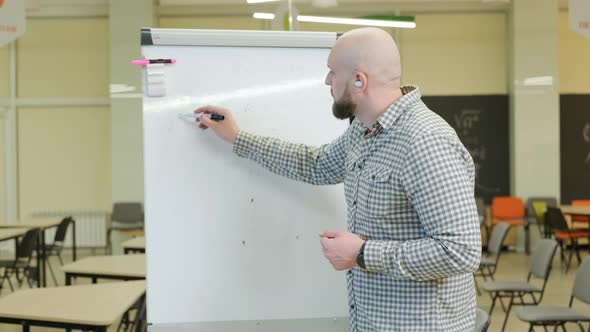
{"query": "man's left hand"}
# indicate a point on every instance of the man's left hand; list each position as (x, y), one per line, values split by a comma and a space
(341, 248)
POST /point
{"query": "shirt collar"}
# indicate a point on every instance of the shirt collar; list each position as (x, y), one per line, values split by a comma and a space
(410, 95)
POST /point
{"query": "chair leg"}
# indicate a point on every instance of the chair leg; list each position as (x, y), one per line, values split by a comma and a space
(491, 274)
(508, 312)
(476, 286)
(60, 259)
(577, 248)
(569, 259)
(7, 276)
(51, 272)
(494, 297)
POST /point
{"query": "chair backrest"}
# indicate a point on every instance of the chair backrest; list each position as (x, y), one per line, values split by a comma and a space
(482, 320)
(507, 207)
(128, 212)
(27, 244)
(536, 206)
(540, 264)
(582, 282)
(481, 209)
(581, 202)
(538, 213)
(497, 238)
(62, 229)
(555, 220)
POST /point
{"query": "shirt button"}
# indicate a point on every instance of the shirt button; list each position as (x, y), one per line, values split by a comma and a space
(373, 177)
(354, 203)
(360, 166)
(352, 306)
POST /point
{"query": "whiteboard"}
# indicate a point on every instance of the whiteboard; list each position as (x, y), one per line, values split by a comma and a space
(226, 239)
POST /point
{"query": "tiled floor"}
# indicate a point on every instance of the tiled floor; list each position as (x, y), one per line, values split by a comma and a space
(512, 267)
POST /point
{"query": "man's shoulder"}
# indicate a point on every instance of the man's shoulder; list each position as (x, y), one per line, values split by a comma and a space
(420, 121)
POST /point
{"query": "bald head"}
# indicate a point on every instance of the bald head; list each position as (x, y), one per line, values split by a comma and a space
(371, 51)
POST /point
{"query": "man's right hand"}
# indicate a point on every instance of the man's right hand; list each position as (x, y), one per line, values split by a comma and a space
(227, 128)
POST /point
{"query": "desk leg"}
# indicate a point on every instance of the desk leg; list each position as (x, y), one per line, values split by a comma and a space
(94, 280)
(527, 239)
(39, 260)
(26, 326)
(43, 258)
(74, 239)
(100, 329)
(68, 279)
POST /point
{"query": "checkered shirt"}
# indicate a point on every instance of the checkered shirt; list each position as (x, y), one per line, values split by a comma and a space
(409, 187)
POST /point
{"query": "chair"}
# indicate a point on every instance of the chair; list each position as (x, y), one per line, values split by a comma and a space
(489, 262)
(539, 267)
(55, 248)
(125, 217)
(554, 218)
(535, 212)
(481, 212)
(510, 210)
(482, 320)
(21, 264)
(559, 315)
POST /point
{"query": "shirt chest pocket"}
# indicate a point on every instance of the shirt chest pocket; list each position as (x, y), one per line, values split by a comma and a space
(384, 194)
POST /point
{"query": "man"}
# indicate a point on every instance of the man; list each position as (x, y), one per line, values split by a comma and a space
(413, 237)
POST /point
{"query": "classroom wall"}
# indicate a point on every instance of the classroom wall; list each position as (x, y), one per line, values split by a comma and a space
(459, 59)
(2, 170)
(63, 58)
(63, 152)
(212, 22)
(4, 71)
(64, 158)
(574, 66)
(456, 54)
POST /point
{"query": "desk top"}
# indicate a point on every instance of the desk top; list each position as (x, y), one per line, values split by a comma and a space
(30, 223)
(97, 305)
(578, 209)
(11, 233)
(135, 243)
(120, 265)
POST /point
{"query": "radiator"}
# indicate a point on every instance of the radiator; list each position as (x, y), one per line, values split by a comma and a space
(91, 227)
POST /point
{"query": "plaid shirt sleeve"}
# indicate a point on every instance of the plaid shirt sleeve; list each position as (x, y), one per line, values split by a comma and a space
(438, 178)
(315, 165)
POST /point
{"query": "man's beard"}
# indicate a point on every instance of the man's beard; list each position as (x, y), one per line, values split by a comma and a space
(344, 108)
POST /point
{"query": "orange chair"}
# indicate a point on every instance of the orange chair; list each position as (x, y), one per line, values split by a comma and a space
(580, 202)
(510, 210)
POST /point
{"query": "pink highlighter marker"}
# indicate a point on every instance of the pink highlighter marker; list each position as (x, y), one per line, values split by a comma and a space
(148, 61)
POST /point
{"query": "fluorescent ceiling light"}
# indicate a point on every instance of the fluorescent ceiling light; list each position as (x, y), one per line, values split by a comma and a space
(356, 21)
(264, 16)
(260, 1)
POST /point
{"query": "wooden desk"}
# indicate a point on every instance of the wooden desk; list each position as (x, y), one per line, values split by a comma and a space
(134, 245)
(121, 267)
(46, 224)
(86, 307)
(576, 210)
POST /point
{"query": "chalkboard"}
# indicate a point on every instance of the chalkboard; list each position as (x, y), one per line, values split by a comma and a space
(481, 122)
(575, 147)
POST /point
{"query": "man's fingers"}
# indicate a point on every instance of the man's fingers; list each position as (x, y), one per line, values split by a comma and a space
(208, 122)
(330, 234)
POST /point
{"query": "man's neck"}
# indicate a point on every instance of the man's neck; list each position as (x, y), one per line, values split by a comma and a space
(377, 106)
